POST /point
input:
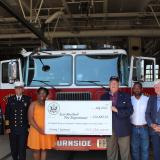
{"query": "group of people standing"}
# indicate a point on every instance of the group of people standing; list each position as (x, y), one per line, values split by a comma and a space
(135, 119)
(132, 118)
(21, 112)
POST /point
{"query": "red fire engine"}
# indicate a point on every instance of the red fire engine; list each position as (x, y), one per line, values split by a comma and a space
(75, 75)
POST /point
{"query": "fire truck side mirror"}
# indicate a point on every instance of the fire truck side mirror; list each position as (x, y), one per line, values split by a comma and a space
(12, 71)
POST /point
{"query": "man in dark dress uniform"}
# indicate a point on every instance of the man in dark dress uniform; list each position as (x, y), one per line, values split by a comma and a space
(1, 122)
(16, 122)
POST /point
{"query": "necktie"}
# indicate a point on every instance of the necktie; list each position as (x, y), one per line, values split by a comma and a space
(19, 98)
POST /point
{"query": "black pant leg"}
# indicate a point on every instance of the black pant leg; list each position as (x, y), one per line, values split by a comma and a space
(14, 145)
(22, 146)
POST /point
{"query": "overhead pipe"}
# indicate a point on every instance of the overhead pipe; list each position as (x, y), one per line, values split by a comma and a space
(91, 33)
(94, 15)
(54, 16)
(112, 33)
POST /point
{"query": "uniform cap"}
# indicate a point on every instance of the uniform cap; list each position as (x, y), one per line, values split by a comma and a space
(116, 78)
(18, 84)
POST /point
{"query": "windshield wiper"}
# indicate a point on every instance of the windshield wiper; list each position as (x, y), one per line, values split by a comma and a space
(45, 68)
(94, 82)
(45, 82)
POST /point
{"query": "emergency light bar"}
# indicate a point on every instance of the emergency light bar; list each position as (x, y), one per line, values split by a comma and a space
(74, 47)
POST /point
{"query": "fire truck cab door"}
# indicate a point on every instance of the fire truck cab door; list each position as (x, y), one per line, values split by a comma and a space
(142, 69)
(10, 71)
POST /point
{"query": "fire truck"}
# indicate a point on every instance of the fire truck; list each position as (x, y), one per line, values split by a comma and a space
(75, 74)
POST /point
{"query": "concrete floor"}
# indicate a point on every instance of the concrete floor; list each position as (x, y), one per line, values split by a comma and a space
(4, 146)
(57, 155)
(53, 155)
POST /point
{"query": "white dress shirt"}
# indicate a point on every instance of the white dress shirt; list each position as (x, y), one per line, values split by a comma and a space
(19, 97)
(139, 107)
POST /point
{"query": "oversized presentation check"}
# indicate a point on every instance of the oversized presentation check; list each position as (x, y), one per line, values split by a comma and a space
(78, 117)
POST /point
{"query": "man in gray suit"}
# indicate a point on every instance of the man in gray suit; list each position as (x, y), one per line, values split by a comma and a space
(153, 119)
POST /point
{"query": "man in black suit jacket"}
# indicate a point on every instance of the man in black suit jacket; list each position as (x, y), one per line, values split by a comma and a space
(153, 119)
(121, 112)
(16, 122)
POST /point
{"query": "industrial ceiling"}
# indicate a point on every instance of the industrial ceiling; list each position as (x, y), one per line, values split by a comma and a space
(30, 23)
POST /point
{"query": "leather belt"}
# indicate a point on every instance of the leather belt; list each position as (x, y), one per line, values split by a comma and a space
(140, 126)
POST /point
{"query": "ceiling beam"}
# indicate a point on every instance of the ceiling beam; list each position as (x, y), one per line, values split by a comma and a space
(142, 4)
(75, 2)
(34, 30)
(96, 15)
(105, 6)
(155, 16)
(91, 33)
(68, 19)
(66, 6)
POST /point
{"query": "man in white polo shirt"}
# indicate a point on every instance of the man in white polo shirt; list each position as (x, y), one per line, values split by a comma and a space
(140, 134)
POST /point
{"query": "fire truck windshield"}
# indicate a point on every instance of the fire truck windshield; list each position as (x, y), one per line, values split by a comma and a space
(99, 68)
(89, 70)
(51, 70)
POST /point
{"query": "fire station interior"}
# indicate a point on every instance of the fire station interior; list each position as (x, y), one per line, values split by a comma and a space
(132, 25)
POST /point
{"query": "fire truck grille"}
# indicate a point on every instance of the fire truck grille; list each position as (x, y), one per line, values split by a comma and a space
(73, 96)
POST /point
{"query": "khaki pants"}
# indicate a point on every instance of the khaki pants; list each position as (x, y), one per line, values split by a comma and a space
(122, 144)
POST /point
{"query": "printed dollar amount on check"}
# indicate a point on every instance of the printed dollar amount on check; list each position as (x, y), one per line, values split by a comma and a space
(78, 117)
